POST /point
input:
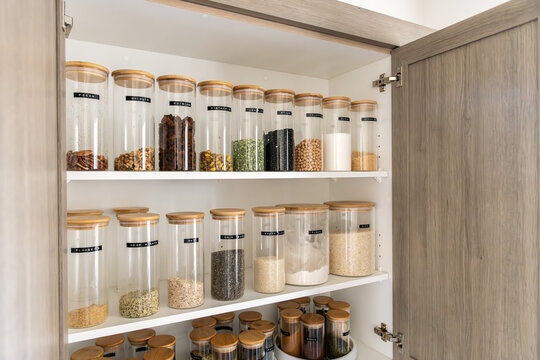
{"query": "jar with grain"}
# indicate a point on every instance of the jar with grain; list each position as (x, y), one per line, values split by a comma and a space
(133, 120)
(87, 290)
(113, 346)
(159, 354)
(339, 305)
(201, 349)
(312, 336)
(227, 255)
(137, 264)
(205, 322)
(303, 304)
(86, 110)
(163, 341)
(224, 322)
(216, 110)
(290, 332)
(268, 249)
(352, 238)
(337, 337)
(88, 353)
(224, 347)
(308, 131)
(138, 342)
(337, 134)
(186, 260)
(248, 143)
(251, 345)
(278, 130)
(364, 136)
(267, 327)
(84, 212)
(245, 319)
(176, 127)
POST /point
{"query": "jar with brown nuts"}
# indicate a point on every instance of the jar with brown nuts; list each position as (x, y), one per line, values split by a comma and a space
(308, 130)
(133, 120)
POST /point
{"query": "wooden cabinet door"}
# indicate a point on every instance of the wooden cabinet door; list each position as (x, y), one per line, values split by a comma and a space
(466, 184)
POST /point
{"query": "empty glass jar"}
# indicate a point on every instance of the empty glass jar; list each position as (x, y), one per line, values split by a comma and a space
(364, 136)
(251, 345)
(113, 346)
(138, 343)
(224, 347)
(312, 336)
(337, 337)
(320, 304)
(337, 134)
(278, 130)
(224, 322)
(201, 349)
(246, 318)
(290, 332)
(267, 327)
(308, 132)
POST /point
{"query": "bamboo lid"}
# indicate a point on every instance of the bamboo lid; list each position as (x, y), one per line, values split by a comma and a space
(134, 79)
(303, 207)
(308, 99)
(215, 88)
(336, 102)
(302, 300)
(312, 319)
(108, 341)
(84, 212)
(161, 341)
(159, 354)
(88, 221)
(130, 209)
(250, 316)
(263, 325)
(291, 314)
(268, 210)
(185, 215)
(88, 353)
(227, 212)
(338, 315)
(350, 205)
(224, 316)
(364, 103)
(339, 305)
(87, 72)
(202, 334)
(322, 300)
(252, 337)
(176, 83)
(137, 218)
(248, 92)
(205, 322)
(287, 305)
(224, 340)
(142, 335)
(279, 95)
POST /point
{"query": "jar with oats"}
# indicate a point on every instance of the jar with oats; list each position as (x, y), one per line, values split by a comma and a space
(364, 132)
(87, 291)
(308, 131)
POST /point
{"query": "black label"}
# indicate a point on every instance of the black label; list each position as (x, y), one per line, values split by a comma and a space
(141, 244)
(317, 115)
(369, 119)
(255, 110)
(346, 333)
(363, 226)
(195, 357)
(191, 240)
(86, 249)
(218, 108)
(284, 112)
(109, 355)
(223, 327)
(85, 95)
(269, 349)
(232, 237)
(314, 232)
(344, 118)
(285, 333)
(138, 98)
(272, 233)
(142, 348)
(309, 338)
(180, 103)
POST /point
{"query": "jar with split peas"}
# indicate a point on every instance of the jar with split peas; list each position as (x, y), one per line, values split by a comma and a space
(201, 349)
(337, 337)
(312, 336)
(308, 131)
(113, 346)
(337, 134)
(138, 342)
(320, 304)
(205, 322)
(303, 303)
(246, 318)
(290, 332)
(267, 327)
(88, 353)
(224, 322)
(163, 341)
(224, 347)
(364, 134)
(279, 130)
(251, 344)
(159, 354)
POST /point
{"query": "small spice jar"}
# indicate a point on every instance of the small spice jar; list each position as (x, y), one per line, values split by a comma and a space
(216, 102)
(251, 345)
(133, 120)
(159, 354)
(268, 250)
(86, 110)
(248, 143)
(224, 347)
(224, 323)
(308, 131)
(339, 305)
(352, 238)
(84, 212)
(176, 128)
(364, 135)
(227, 256)
(137, 269)
(246, 318)
(163, 341)
(337, 134)
(205, 322)
(88, 353)
(303, 303)
(138, 342)
(267, 327)
(320, 304)
(312, 336)
(278, 130)
(186, 256)
(87, 290)
(306, 246)
(200, 343)
(337, 338)
(113, 346)
(285, 305)
(290, 334)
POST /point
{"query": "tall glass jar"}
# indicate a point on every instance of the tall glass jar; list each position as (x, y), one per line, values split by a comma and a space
(278, 130)
(337, 334)
(159, 354)
(186, 260)
(227, 255)
(216, 102)
(163, 341)
(303, 303)
(339, 305)
(268, 250)
(290, 334)
(251, 345)
(267, 327)
(248, 144)
(176, 127)
(88, 353)
(87, 290)
(113, 346)
(138, 342)
(352, 238)
(86, 110)
(245, 319)
(308, 132)
(133, 120)
(306, 249)
(337, 134)
(224, 347)
(204, 322)
(137, 265)
(201, 349)
(364, 136)
(312, 336)
(84, 212)
(224, 322)
(320, 304)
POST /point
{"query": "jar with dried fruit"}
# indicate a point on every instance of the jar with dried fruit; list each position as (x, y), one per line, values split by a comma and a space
(308, 131)
(364, 135)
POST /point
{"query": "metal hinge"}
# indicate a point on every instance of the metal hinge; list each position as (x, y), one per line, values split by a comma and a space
(386, 335)
(384, 80)
(68, 22)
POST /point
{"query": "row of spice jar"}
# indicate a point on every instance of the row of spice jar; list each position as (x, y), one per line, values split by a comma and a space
(293, 136)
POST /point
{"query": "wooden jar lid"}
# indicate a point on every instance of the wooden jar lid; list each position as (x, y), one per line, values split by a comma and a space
(248, 92)
(133, 79)
(205, 322)
(250, 316)
(87, 221)
(322, 300)
(202, 334)
(161, 341)
(339, 315)
(304, 207)
(302, 300)
(130, 209)
(312, 319)
(128, 219)
(308, 99)
(215, 88)
(350, 205)
(368, 104)
(185, 215)
(224, 341)
(111, 340)
(279, 95)
(287, 305)
(336, 102)
(291, 314)
(252, 337)
(159, 354)
(262, 211)
(227, 213)
(339, 305)
(263, 325)
(176, 83)
(88, 353)
(142, 335)
(87, 72)
(224, 316)
(84, 212)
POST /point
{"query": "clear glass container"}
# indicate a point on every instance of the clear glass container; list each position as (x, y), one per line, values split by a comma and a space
(308, 131)
(268, 249)
(339, 305)
(176, 123)
(251, 344)
(248, 143)
(88, 353)
(224, 347)
(285, 305)
(84, 212)
(224, 323)
(137, 264)
(113, 346)
(201, 349)
(304, 304)
(312, 336)
(337, 134)
(159, 354)
(227, 254)
(320, 304)
(133, 120)
(278, 130)
(186, 260)
(245, 319)
(306, 246)
(205, 322)
(138, 342)
(290, 332)
(267, 327)
(364, 136)
(337, 337)
(163, 341)
(352, 238)
(215, 104)
(87, 288)
(87, 89)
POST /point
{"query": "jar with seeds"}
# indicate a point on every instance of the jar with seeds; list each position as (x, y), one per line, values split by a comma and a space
(278, 130)
(308, 131)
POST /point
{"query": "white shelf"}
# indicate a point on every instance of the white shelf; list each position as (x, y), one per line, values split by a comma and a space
(116, 324)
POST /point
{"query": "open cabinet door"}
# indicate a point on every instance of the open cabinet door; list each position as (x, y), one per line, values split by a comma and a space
(466, 189)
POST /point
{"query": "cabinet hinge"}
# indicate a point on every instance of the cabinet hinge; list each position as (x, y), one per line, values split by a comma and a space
(67, 21)
(384, 80)
(386, 335)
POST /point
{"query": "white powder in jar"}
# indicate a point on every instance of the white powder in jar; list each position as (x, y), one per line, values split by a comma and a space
(352, 254)
(308, 277)
(269, 274)
(337, 152)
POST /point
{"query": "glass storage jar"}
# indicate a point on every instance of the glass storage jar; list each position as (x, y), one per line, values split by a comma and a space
(86, 110)
(159, 354)
(290, 334)
(285, 305)
(320, 304)
(251, 345)
(224, 322)
(337, 337)
(268, 251)
(88, 353)
(267, 327)
(312, 336)
(339, 305)
(186, 260)
(113, 346)
(224, 347)
(227, 254)
(204, 322)
(303, 304)
(138, 342)
(364, 135)
(352, 238)
(200, 343)
(337, 134)
(246, 318)
(87, 290)
(133, 120)
(176, 127)
(137, 265)
(308, 131)
(248, 143)
(84, 212)
(306, 247)
(163, 341)
(278, 130)
(215, 103)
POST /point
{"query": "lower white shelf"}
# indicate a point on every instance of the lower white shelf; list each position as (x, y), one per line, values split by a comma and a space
(116, 324)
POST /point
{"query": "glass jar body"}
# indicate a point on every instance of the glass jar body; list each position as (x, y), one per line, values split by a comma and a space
(251, 352)
(220, 354)
(269, 346)
(320, 309)
(279, 133)
(114, 352)
(308, 132)
(136, 350)
(337, 338)
(268, 253)
(337, 137)
(247, 140)
(201, 350)
(224, 326)
(313, 342)
(290, 336)
(364, 155)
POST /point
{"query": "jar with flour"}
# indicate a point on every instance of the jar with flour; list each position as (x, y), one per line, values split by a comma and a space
(337, 134)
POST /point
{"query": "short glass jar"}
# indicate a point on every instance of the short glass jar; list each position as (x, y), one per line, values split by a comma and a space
(279, 130)
(201, 349)
(312, 336)
(245, 319)
(364, 136)
(113, 346)
(224, 323)
(138, 342)
(204, 322)
(339, 305)
(163, 341)
(320, 304)
(224, 347)
(308, 131)
(337, 337)
(159, 354)
(303, 304)
(267, 327)
(337, 134)
(88, 353)
(285, 305)
(290, 332)
(251, 344)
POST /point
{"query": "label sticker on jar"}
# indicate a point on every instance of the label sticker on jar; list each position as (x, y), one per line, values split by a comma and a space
(223, 327)
(346, 333)
(272, 233)
(363, 226)
(109, 355)
(314, 232)
(268, 349)
(138, 98)
(369, 119)
(310, 338)
(284, 112)
(255, 110)
(86, 95)
(232, 237)
(344, 118)
(317, 115)
(180, 103)
(86, 249)
(142, 348)
(285, 333)
(218, 108)
(142, 244)
(191, 240)
(195, 357)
